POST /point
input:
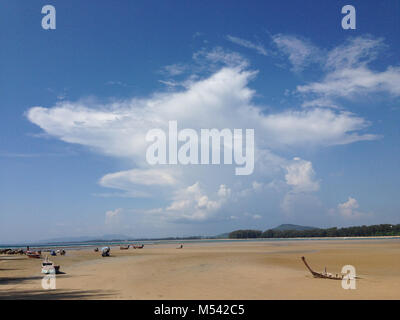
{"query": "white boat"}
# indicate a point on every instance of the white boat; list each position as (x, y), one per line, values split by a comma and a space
(105, 251)
(48, 267)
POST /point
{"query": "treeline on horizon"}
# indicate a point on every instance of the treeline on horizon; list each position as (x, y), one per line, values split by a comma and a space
(357, 231)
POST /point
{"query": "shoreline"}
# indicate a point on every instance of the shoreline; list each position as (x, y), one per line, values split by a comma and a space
(86, 245)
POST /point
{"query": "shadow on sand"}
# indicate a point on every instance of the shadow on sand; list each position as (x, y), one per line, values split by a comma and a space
(54, 294)
(20, 280)
(42, 294)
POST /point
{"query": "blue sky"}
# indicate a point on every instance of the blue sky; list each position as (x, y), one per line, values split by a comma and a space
(77, 101)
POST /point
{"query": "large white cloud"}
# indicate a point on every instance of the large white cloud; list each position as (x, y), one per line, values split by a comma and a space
(221, 100)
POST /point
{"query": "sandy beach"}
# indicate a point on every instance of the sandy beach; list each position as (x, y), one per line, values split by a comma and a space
(226, 270)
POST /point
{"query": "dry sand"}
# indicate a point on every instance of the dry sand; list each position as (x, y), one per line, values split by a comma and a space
(219, 270)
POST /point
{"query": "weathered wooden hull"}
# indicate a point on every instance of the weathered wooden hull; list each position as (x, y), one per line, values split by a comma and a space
(320, 275)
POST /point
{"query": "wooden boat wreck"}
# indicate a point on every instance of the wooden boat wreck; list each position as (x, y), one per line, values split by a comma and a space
(323, 275)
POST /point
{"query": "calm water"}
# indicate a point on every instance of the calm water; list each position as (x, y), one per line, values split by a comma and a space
(84, 245)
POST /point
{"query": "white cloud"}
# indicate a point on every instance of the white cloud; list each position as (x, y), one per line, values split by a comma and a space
(193, 204)
(257, 185)
(301, 53)
(345, 69)
(355, 52)
(174, 69)
(315, 126)
(122, 179)
(113, 213)
(132, 181)
(348, 209)
(248, 44)
(224, 191)
(320, 102)
(170, 83)
(349, 74)
(356, 81)
(252, 216)
(114, 83)
(301, 176)
(112, 216)
(221, 100)
(218, 56)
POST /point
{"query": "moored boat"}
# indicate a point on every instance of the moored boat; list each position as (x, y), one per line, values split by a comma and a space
(34, 254)
(105, 251)
(138, 246)
(48, 267)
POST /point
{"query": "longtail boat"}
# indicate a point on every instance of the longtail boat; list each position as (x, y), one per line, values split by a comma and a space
(35, 255)
(323, 275)
(124, 247)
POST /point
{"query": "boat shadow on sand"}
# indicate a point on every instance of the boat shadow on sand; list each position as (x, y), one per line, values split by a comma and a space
(21, 280)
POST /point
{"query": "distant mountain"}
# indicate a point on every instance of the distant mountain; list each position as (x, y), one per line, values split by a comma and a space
(222, 236)
(285, 227)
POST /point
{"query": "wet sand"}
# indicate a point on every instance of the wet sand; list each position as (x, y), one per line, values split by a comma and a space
(228, 270)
